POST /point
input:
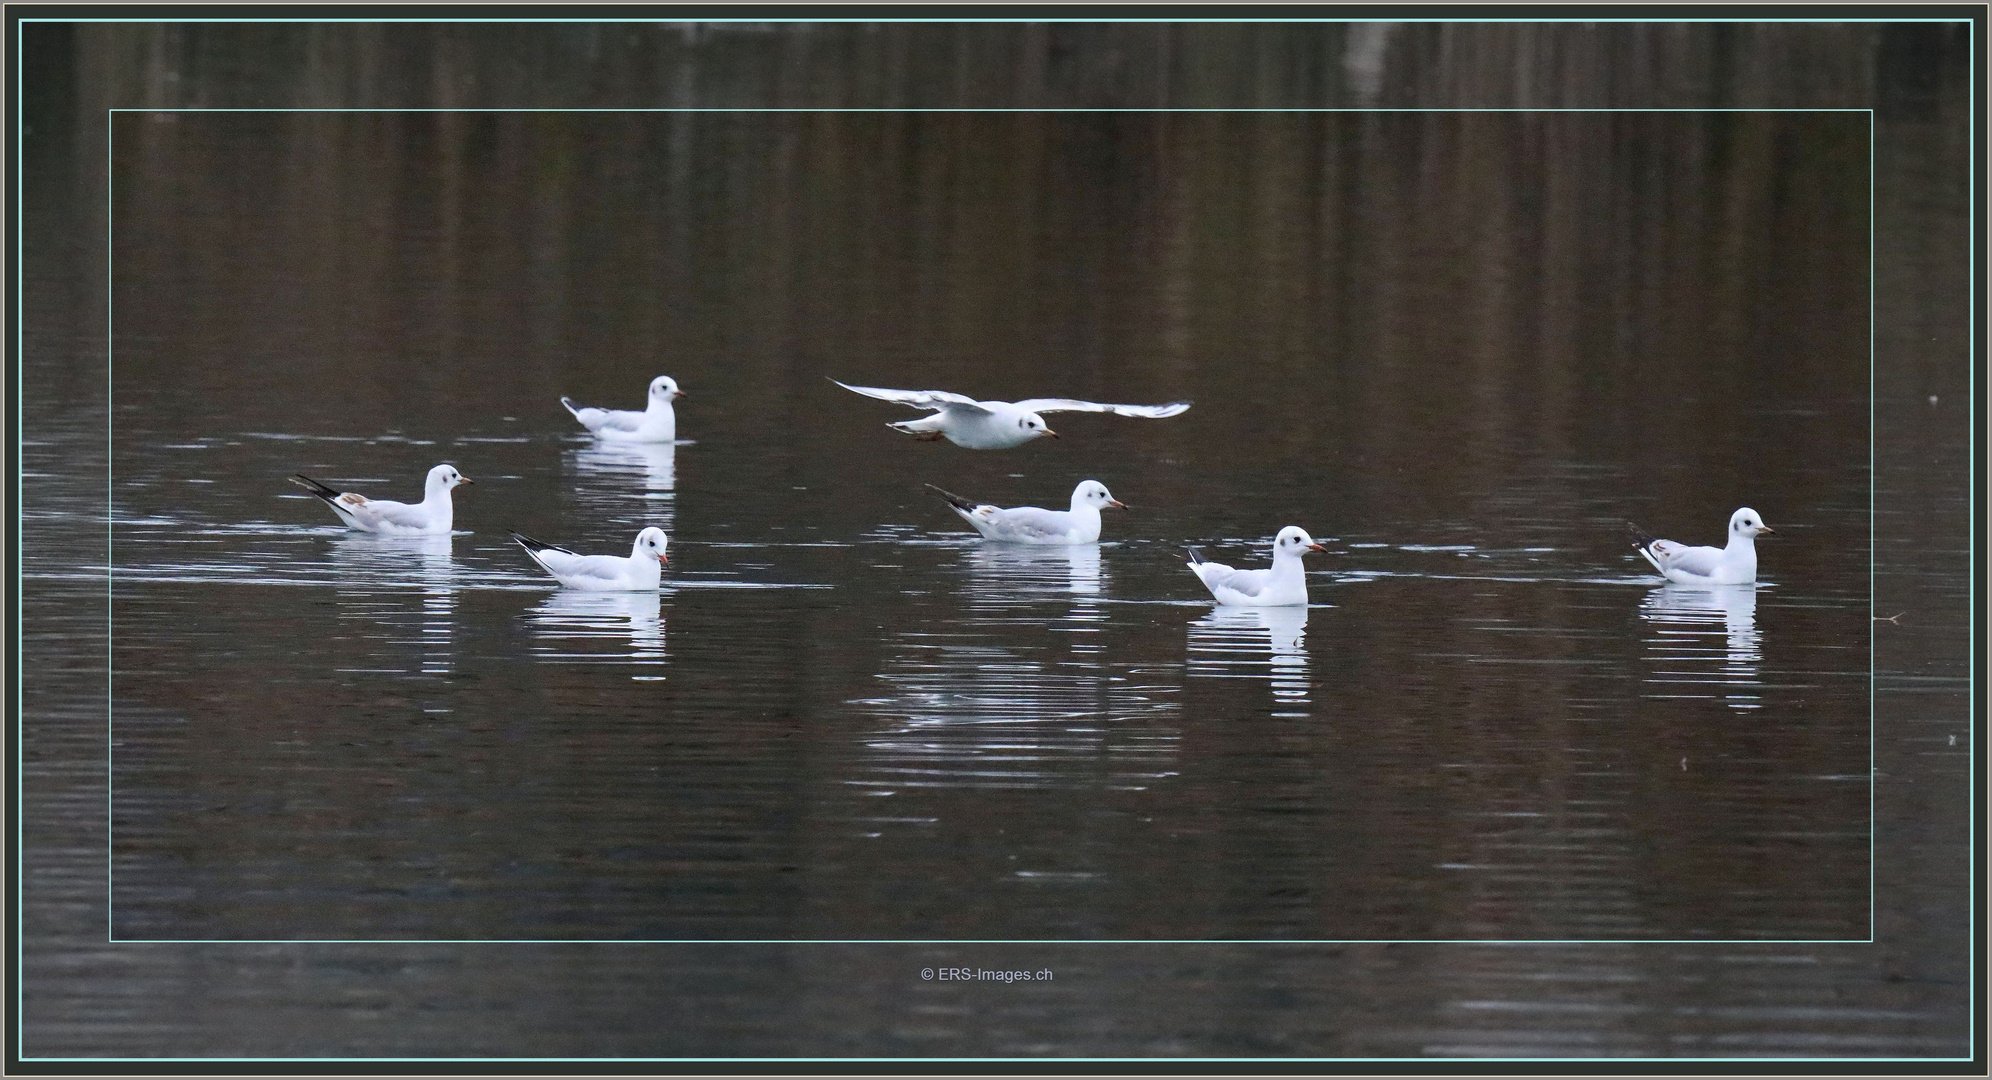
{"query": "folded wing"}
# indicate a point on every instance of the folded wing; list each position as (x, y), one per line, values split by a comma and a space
(1242, 582)
(1032, 522)
(597, 419)
(1700, 561)
(613, 419)
(376, 511)
(588, 567)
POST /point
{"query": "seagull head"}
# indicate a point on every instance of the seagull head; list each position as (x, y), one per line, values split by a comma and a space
(1293, 540)
(445, 477)
(1034, 426)
(652, 542)
(664, 388)
(1094, 494)
(1747, 524)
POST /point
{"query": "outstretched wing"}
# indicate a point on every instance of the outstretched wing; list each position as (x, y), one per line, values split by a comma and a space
(919, 399)
(1059, 404)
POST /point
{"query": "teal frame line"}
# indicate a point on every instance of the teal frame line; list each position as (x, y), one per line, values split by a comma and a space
(989, 1059)
(109, 568)
(1971, 546)
(994, 22)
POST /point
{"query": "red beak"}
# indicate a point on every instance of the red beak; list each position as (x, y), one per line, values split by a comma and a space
(1316, 547)
(1117, 502)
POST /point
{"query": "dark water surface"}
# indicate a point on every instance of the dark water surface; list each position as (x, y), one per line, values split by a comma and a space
(1461, 349)
(846, 719)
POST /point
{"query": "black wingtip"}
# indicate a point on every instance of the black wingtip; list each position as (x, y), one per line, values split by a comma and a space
(534, 547)
(954, 500)
(1641, 540)
(1195, 555)
(316, 488)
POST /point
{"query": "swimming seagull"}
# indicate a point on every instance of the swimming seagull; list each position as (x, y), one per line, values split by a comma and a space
(993, 425)
(1735, 564)
(1284, 585)
(643, 569)
(656, 423)
(1033, 525)
(426, 518)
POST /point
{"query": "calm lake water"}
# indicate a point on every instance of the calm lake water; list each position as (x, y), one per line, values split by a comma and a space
(1463, 350)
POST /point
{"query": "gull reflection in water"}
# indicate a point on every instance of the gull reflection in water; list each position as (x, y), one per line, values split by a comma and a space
(1003, 689)
(569, 620)
(628, 481)
(1254, 643)
(377, 569)
(1707, 635)
(1004, 573)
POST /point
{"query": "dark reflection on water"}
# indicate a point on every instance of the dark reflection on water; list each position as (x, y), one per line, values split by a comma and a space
(1467, 347)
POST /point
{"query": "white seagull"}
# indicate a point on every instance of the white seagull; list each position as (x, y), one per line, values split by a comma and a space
(993, 425)
(1735, 564)
(1034, 525)
(642, 569)
(656, 423)
(426, 518)
(1284, 585)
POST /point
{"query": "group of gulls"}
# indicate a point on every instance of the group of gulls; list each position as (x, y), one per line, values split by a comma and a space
(977, 425)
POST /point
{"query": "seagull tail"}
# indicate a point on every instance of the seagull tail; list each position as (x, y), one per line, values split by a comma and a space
(307, 483)
(1642, 542)
(568, 403)
(955, 501)
(533, 547)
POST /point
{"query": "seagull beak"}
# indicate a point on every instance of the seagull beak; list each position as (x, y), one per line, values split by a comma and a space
(465, 480)
(1117, 502)
(1051, 433)
(678, 393)
(1765, 529)
(662, 558)
(1316, 547)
